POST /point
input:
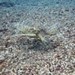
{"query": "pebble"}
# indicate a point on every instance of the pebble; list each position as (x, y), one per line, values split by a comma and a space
(2, 58)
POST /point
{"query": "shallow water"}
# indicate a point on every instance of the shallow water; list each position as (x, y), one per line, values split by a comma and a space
(45, 2)
(18, 53)
(42, 13)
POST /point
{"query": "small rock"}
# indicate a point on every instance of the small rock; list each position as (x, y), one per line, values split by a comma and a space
(2, 48)
(2, 58)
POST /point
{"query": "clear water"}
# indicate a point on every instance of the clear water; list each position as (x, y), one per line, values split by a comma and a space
(42, 8)
(48, 10)
(51, 3)
(46, 2)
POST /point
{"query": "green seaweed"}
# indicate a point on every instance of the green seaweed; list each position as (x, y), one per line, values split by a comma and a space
(33, 32)
(37, 32)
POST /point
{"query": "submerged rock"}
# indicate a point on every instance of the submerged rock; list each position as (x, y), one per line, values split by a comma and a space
(6, 4)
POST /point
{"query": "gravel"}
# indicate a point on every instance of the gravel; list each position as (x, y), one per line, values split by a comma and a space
(26, 56)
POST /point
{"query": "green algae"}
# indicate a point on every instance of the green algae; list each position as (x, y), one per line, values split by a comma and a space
(37, 33)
